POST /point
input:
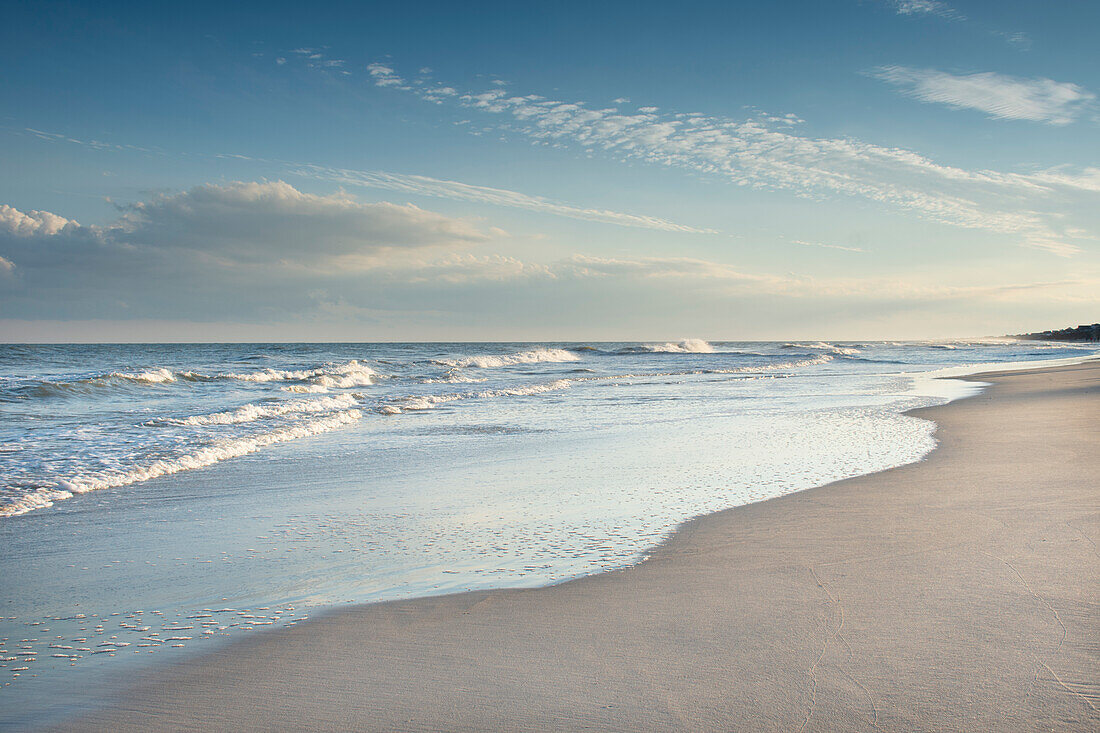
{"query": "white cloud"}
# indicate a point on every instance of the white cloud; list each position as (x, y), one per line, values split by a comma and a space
(926, 7)
(999, 96)
(265, 253)
(315, 59)
(465, 268)
(827, 246)
(1087, 179)
(32, 223)
(267, 225)
(270, 221)
(384, 76)
(660, 268)
(425, 186)
(730, 281)
(763, 152)
(93, 144)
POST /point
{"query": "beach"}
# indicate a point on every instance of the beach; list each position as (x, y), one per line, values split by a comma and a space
(956, 593)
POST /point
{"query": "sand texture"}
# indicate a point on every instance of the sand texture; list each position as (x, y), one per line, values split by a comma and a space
(960, 593)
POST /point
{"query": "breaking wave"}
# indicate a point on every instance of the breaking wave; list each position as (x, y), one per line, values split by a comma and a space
(251, 412)
(44, 496)
(319, 379)
(427, 402)
(535, 356)
(826, 347)
(351, 374)
(781, 366)
(155, 450)
(687, 346)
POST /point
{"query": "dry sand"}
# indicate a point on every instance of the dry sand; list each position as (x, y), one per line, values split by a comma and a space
(960, 593)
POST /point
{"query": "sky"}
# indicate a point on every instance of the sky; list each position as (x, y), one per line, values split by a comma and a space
(835, 169)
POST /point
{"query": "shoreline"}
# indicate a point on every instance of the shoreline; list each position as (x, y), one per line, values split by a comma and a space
(674, 655)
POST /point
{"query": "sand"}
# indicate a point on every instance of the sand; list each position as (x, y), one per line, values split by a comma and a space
(960, 593)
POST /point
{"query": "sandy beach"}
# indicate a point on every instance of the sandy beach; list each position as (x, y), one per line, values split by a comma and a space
(959, 593)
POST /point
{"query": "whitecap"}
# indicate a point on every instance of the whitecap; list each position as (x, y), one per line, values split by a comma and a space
(534, 356)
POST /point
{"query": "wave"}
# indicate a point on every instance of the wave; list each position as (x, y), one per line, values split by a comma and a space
(454, 376)
(426, 402)
(318, 379)
(535, 356)
(44, 496)
(252, 412)
(420, 403)
(815, 361)
(687, 346)
(351, 374)
(88, 385)
(826, 347)
(153, 376)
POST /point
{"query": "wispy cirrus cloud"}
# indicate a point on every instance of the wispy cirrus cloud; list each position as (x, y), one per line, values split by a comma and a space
(926, 7)
(426, 186)
(87, 143)
(828, 246)
(765, 152)
(939, 9)
(997, 95)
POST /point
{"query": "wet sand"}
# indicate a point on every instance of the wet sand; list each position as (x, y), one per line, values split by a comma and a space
(959, 593)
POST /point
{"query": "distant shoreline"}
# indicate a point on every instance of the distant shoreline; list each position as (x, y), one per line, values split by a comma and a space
(949, 594)
(1083, 333)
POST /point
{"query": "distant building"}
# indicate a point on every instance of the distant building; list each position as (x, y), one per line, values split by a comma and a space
(1081, 333)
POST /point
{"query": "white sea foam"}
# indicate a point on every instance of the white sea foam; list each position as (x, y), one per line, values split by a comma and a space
(780, 366)
(251, 412)
(535, 356)
(44, 496)
(152, 376)
(454, 376)
(321, 379)
(427, 402)
(686, 346)
(826, 347)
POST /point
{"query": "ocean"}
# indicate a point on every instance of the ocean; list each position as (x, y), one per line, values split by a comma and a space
(159, 500)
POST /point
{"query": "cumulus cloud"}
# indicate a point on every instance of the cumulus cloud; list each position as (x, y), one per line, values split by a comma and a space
(32, 223)
(243, 254)
(238, 246)
(765, 152)
(274, 222)
(999, 96)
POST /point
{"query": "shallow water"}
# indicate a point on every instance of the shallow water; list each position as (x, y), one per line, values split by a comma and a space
(159, 500)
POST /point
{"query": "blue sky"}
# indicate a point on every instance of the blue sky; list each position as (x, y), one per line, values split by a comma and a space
(519, 171)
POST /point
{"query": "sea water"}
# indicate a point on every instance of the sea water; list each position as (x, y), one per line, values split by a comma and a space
(158, 500)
